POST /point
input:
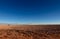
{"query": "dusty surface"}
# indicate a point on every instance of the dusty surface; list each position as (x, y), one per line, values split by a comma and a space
(29, 31)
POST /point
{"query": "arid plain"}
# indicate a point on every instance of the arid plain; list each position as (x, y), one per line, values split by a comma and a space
(29, 31)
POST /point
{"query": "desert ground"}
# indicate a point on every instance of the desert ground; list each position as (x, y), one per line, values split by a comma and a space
(9, 31)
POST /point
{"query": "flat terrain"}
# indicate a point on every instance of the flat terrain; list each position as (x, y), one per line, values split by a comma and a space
(29, 31)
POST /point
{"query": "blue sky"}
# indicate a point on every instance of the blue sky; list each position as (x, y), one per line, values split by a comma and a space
(29, 11)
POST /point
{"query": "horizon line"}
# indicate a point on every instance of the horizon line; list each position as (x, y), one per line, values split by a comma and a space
(31, 24)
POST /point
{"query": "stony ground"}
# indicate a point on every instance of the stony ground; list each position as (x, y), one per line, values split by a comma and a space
(37, 34)
(30, 32)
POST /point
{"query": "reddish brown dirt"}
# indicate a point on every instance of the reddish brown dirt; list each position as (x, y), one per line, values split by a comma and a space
(29, 31)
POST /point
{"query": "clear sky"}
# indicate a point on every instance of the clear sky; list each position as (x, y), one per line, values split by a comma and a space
(29, 11)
